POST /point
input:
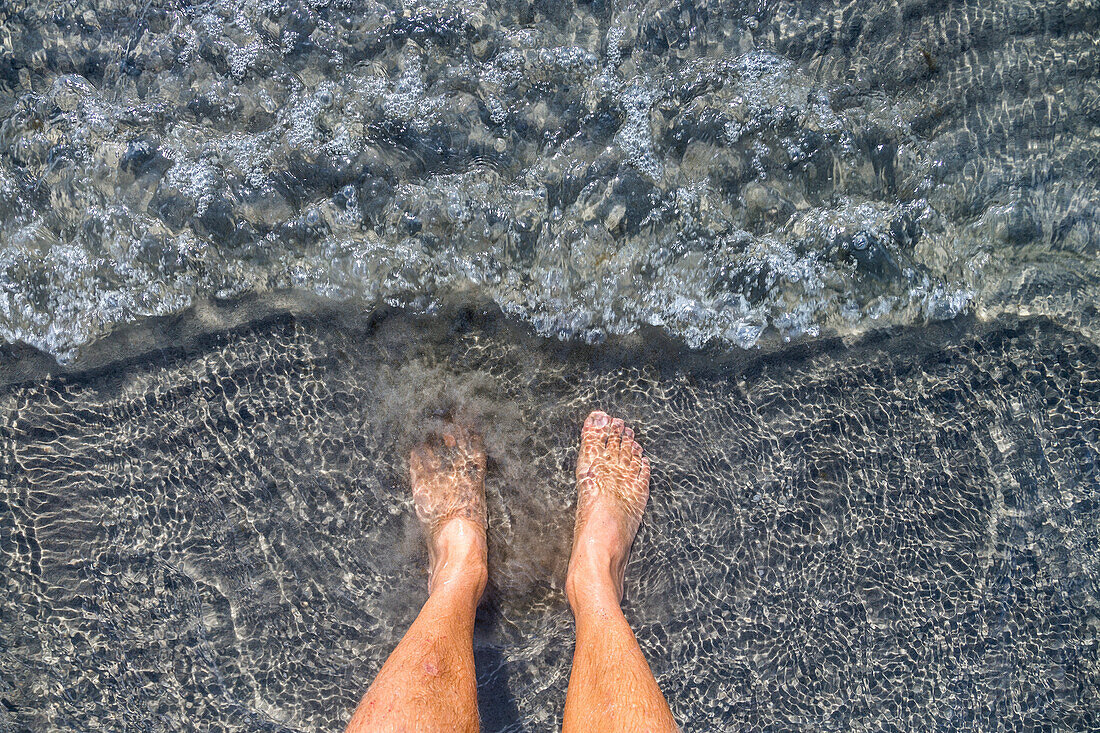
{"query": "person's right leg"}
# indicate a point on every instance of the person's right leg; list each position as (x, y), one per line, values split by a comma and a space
(611, 687)
(428, 682)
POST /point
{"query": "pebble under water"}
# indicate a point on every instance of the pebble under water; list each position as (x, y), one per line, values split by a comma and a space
(216, 534)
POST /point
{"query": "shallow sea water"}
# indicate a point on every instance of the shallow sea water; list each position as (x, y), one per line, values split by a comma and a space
(733, 172)
(890, 535)
(837, 263)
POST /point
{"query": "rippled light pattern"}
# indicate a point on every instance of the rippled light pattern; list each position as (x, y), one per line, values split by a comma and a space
(896, 535)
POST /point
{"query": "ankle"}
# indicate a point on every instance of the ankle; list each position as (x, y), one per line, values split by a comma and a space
(459, 558)
(594, 577)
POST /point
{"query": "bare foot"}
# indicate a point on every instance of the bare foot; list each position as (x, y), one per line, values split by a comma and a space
(448, 486)
(612, 491)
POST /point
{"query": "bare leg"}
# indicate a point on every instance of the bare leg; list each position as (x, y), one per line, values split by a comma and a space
(611, 687)
(428, 682)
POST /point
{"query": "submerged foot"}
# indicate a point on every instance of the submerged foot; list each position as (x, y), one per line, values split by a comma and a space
(448, 486)
(612, 490)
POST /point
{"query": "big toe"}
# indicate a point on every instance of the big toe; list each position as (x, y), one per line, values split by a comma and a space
(476, 447)
(593, 439)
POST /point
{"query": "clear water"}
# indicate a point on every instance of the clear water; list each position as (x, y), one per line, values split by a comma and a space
(735, 172)
(837, 262)
(893, 535)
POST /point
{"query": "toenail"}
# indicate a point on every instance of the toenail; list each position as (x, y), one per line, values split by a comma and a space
(599, 420)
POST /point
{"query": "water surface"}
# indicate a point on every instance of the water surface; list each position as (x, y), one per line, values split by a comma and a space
(836, 261)
(890, 535)
(731, 172)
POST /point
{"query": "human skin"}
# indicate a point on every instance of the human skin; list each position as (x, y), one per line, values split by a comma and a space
(428, 681)
(611, 687)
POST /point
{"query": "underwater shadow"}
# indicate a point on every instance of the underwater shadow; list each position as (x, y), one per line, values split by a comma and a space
(495, 702)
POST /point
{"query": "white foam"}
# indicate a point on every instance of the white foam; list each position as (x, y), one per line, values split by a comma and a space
(635, 137)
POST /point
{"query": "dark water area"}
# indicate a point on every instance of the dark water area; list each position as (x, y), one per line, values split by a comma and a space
(836, 262)
(889, 534)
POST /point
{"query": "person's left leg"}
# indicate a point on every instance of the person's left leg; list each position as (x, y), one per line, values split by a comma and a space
(428, 683)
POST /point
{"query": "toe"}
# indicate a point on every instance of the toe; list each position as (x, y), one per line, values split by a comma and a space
(474, 447)
(597, 419)
(643, 474)
(626, 450)
(593, 439)
(615, 437)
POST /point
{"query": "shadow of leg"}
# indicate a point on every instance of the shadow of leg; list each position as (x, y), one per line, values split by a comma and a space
(495, 702)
